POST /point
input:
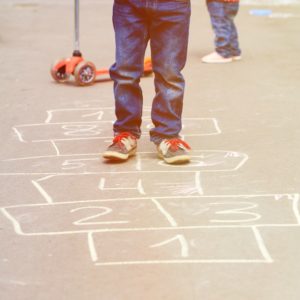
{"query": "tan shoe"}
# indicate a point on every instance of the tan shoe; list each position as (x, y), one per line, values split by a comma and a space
(216, 58)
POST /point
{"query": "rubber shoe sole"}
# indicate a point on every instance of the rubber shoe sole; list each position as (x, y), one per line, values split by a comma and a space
(178, 159)
(236, 58)
(114, 155)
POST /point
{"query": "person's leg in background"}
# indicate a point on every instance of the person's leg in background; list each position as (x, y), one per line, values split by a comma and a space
(231, 11)
(222, 26)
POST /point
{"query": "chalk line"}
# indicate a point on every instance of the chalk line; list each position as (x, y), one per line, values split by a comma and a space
(182, 261)
(92, 248)
(140, 187)
(261, 245)
(138, 162)
(19, 135)
(295, 200)
(40, 188)
(246, 196)
(164, 212)
(198, 183)
(15, 223)
(55, 147)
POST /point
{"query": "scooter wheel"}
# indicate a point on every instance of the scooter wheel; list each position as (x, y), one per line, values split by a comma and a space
(85, 73)
(59, 74)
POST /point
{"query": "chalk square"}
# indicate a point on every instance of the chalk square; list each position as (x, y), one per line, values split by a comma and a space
(205, 245)
(233, 210)
(78, 217)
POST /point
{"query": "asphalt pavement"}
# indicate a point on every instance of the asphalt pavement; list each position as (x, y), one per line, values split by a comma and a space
(75, 227)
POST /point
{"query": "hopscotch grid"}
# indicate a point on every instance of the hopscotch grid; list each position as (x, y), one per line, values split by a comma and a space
(174, 226)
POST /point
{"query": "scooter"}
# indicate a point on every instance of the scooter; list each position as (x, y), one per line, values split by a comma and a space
(84, 72)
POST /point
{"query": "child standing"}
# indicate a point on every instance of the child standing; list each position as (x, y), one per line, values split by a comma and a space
(166, 24)
(222, 14)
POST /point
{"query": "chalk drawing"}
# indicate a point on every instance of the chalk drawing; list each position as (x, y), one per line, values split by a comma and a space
(183, 243)
(104, 211)
(190, 227)
(206, 245)
(214, 161)
(180, 213)
(68, 131)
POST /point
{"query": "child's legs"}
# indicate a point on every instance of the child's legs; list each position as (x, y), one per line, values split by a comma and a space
(231, 12)
(222, 26)
(131, 35)
(169, 38)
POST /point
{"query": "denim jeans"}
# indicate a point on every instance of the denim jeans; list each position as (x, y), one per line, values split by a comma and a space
(226, 36)
(165, 23)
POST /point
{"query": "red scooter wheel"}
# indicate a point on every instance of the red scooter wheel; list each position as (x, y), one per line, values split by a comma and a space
(58, 71)
(85, 73)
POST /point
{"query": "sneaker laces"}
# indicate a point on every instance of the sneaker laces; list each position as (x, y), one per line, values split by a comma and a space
(175, 144)
(123, 135)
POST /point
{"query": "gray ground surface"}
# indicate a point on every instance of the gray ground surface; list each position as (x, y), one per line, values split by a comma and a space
(225, 226)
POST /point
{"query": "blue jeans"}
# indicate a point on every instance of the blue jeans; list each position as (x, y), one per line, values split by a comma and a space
(226, 36)
(166, 24)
